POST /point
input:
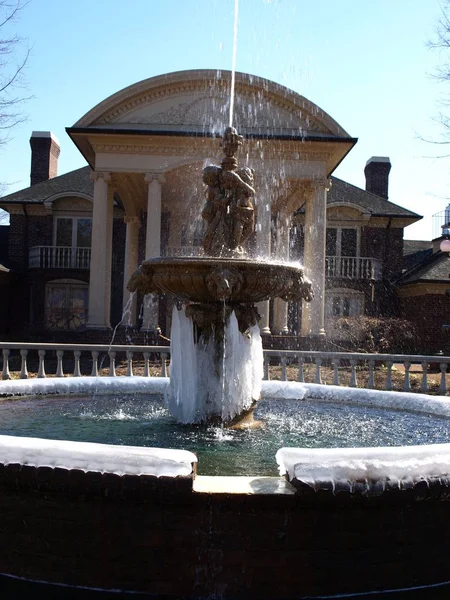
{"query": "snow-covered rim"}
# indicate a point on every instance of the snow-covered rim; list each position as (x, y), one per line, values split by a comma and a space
(337, 464)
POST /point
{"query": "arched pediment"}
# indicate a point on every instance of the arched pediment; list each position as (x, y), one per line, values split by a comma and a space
(346, 211)
(199, 101)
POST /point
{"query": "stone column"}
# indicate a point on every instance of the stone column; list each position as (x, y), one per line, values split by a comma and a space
(263, 250)
(101, 253)
(131, 264)
(152, 245)
(313, 314)
(280, 307)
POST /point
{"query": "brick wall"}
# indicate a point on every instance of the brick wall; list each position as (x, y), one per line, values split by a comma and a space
(429, 313)
(157, 536)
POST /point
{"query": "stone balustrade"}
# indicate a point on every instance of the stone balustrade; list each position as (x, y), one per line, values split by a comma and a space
(68, 358)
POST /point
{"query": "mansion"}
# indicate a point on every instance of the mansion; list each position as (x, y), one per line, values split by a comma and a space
(76, 239)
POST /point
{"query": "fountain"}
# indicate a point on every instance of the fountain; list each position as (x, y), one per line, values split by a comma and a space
(118, 517)
(216, 349)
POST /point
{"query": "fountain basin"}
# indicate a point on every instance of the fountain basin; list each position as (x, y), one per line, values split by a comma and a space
(210, 280)
(158, 536)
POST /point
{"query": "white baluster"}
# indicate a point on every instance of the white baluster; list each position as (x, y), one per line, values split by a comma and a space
(300, 370)
(23, 365)
(406, 383)
(283, 368)
(129, 363)
(41, 370)
(59, 368)
(318, 362)
(77, 370)
(146, 364)
(5, 371)
(94, 371)
(163, 364)
(371, 382)
(112, 363)
(336, 365)
(389, 376)
(353, 380)
(266, 368)
(424, 384)
(443, 384)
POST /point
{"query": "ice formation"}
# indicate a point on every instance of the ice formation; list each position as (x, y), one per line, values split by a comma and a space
(199, 387)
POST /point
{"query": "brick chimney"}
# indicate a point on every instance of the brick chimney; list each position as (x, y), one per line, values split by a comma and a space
(44, 156)
(377, 175)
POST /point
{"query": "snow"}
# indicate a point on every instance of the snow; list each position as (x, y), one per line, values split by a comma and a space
(321, 467)
(121, 460)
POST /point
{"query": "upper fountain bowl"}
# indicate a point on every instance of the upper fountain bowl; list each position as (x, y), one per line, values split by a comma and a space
(213, 279)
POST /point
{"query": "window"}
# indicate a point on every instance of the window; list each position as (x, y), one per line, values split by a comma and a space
(66, 304)
(342, 241)
(344, 303)
(73, 232)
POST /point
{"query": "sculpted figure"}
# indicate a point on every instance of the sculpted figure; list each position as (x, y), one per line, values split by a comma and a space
(142, 281)
(222, 283)
(228, 210)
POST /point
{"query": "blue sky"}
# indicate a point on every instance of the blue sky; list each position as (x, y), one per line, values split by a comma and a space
(364, 63)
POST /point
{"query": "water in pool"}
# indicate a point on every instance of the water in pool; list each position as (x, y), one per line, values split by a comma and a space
(140, 420)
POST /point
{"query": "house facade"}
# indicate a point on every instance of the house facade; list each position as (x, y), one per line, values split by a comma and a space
(76, 239)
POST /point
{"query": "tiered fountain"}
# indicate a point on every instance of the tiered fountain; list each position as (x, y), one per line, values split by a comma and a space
(216, 350)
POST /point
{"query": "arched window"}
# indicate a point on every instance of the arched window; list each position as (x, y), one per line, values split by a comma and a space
(66, 304)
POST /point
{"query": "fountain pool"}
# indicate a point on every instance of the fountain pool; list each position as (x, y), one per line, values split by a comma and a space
(134, 413)
(119, 518)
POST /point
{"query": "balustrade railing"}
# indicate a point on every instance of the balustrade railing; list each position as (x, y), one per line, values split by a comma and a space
(59, 257)
(352, 267)
(155, 360)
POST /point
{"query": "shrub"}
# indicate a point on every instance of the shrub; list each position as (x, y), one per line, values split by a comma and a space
(379, 334)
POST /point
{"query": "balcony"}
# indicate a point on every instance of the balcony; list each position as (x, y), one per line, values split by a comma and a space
(352, 267)
(59, 257)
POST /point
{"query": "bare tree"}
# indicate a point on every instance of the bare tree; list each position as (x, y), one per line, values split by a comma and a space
(14, 55)
(441, 43)
(4, 217)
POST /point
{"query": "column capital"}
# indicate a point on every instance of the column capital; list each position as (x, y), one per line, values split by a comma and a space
(149, 177)
(321, 182)
(96, 175)
(132, 220)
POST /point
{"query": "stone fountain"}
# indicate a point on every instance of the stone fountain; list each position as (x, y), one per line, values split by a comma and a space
(216, 348)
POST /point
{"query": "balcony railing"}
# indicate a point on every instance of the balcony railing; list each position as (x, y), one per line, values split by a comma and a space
(352, 267)
(59, 257)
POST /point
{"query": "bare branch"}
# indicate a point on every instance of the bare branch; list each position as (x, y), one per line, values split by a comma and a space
(14, 56)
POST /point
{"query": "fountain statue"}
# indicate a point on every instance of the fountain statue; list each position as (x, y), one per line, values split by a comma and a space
(216, 348)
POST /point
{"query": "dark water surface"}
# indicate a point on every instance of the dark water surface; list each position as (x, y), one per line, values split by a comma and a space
(140, 420)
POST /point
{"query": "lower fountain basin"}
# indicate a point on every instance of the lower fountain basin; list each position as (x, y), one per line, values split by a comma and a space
(210, 280)
(157, 536)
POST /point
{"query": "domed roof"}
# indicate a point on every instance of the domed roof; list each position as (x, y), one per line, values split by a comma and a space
(198, 101)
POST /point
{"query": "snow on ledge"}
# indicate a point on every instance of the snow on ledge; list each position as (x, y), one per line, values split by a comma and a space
(84, 385)
(333, 468)
(120, 460)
